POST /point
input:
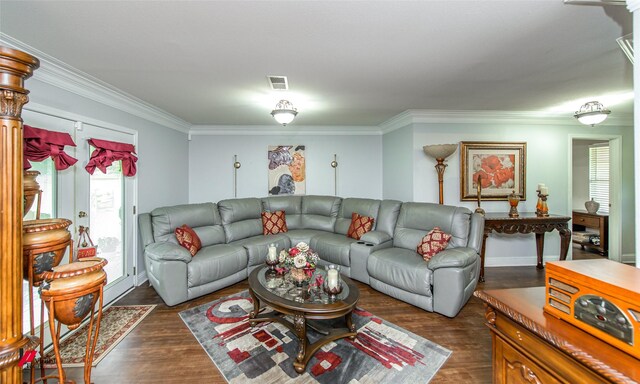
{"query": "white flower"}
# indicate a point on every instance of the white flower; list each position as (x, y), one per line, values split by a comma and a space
(302, 247)
(300, 261)
(282, 256)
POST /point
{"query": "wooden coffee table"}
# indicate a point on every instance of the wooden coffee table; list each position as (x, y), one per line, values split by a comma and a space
(306, 309)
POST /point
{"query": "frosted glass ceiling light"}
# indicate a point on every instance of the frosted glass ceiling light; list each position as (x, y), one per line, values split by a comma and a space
(592, 113)
(284, 112)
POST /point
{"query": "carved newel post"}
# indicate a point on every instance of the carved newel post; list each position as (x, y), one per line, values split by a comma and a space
(15, 67)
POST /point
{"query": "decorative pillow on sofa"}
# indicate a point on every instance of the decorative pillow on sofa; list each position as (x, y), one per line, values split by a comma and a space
(274, 222)
(188, 238)
(432, 243)
(359, 226)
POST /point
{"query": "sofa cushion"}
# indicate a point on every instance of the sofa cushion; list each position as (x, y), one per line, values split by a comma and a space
(363, 207)
(203, 218)
(216, 262)
(303, 235)
(258, 246)
(359, 226)
(432, 243)
(241, 218)
(320, 212)
(188, 239)
(401, 268)
(291, 205)
(274, 223)
(416, 219)
(333, 248)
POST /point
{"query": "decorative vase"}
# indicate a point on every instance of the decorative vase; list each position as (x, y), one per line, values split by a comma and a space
(514, 199)
(44, 243)
(592, 206)
(31, 189)
(300, 276)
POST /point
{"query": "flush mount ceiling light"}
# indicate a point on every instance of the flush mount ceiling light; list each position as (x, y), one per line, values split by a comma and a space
(592, 113)
(284, 112)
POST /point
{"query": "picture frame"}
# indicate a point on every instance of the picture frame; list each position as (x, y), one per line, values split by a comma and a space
(501, 167)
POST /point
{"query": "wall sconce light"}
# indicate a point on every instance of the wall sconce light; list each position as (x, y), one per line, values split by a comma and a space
(236, 166)
(334, 165)
(440, 152)
(592, 113)
(284, 112)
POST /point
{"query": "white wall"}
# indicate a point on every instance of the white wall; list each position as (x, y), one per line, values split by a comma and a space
(547, 162)
(211, 159)
(397, 154)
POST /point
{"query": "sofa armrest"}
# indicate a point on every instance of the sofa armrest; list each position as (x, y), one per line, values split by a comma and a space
(167, 251)
(453, 258)
(375, 237)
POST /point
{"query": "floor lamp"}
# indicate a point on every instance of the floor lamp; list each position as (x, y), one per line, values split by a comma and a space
(440, 152)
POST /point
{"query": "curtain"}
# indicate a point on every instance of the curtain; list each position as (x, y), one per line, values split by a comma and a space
(107, 152)
(38, 144)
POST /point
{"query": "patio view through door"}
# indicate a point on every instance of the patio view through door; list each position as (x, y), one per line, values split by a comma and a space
(103, 202)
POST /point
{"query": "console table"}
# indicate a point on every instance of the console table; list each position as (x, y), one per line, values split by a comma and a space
(583, 220)
(531, 346)
(527, 222)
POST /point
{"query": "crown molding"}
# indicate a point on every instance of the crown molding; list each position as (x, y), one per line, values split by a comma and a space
(417, 116)
(54, 72)
(252, 130)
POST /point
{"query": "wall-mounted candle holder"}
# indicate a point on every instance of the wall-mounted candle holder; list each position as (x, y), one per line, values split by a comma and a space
(236, 166)
(334, 165)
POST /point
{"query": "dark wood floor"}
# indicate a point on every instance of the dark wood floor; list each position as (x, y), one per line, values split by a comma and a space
(162, 350)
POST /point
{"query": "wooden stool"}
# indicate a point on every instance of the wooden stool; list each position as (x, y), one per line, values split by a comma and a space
(44, 243)
(70, 292)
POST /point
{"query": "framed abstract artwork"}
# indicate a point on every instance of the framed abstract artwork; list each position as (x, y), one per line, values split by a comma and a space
(286, 170)
(499, 167)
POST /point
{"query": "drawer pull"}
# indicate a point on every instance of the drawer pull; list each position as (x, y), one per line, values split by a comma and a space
(527, 374)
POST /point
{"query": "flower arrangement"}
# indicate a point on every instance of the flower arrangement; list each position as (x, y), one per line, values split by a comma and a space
(301, 256)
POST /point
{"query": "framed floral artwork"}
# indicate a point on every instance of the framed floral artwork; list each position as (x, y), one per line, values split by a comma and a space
(287, 175)
(499, 167)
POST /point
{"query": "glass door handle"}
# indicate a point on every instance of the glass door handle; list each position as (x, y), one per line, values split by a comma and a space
(82, 214)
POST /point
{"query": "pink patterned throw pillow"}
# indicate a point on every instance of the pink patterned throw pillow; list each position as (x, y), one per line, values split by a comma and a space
(432, 243)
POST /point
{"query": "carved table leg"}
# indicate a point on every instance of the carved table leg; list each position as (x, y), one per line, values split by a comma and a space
(482, 251)
(565, 241)
(256, 307)
(301, 331)
(539, 249)
(350, 325)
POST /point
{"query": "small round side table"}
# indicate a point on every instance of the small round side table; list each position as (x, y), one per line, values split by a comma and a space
(70, 293)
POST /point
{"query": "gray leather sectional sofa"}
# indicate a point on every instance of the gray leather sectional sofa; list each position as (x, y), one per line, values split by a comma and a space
(385, 258)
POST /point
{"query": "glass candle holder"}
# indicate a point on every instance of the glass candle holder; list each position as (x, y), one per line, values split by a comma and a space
(332, 284)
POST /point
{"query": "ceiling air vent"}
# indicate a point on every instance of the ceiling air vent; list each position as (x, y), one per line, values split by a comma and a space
(278, 83)
(596, 2)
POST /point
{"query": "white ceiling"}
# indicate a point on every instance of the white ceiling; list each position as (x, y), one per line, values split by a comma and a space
(348, 62)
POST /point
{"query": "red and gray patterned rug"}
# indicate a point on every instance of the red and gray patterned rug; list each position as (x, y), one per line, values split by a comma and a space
(117, 322)
(382, 352)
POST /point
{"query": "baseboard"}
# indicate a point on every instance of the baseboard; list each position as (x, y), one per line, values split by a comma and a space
(141, 278)
(517, 261)
(628, 258)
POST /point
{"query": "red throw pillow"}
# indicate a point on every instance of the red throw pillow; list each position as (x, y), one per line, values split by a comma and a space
(188, 238)
(359, 226)
(432, 243)
(274, 222)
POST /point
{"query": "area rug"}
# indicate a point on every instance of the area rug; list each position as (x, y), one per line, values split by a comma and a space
(117, 322)
(381, 353)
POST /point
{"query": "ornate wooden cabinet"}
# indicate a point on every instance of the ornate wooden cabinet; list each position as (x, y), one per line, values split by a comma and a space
(530, 346)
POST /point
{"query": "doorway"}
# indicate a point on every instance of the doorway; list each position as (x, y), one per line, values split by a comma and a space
(600, 232)
(104, 202)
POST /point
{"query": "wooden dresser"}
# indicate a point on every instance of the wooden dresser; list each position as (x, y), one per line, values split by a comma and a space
(531, 346)
(583, 220)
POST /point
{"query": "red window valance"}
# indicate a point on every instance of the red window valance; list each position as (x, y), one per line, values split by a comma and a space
(107, 152)
(38, 144)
